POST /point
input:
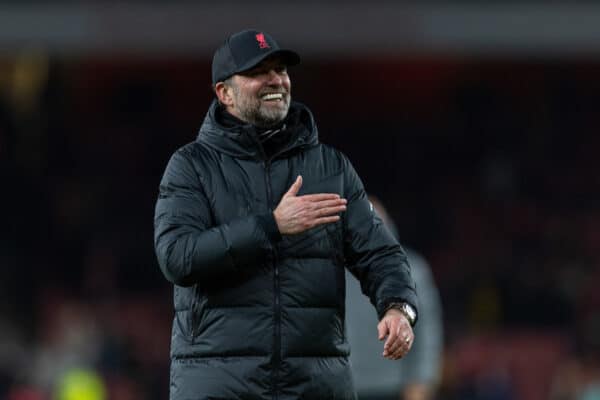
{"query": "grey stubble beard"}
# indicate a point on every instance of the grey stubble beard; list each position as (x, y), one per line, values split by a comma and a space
(252, 110)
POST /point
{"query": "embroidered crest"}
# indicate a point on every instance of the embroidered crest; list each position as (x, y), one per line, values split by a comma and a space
(262, 42)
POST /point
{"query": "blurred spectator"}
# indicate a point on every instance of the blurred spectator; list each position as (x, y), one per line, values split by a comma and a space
(71, 337)
(415, 376)
(578, 377)
(80, 384)
(576, 380)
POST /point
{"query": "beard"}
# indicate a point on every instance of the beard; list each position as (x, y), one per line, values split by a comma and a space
(253, 110)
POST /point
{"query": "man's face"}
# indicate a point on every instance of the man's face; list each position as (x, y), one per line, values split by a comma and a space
(261, 96)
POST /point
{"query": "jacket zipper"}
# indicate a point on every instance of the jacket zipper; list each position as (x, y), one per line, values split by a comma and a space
(276, 293)
(276, 283)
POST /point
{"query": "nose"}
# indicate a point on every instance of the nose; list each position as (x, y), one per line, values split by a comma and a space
(275, 78)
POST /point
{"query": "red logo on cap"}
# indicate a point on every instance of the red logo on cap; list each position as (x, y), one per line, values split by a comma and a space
(262, 43)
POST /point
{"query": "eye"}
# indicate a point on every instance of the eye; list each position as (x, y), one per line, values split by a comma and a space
(254, 72)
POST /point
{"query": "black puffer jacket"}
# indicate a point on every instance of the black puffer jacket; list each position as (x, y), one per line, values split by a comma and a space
(258, 315)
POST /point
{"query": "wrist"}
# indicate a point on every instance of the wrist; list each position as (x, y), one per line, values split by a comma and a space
(406, 309)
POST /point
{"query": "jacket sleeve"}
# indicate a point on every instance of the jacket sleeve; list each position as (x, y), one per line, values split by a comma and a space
(188, 247)
(372, 253)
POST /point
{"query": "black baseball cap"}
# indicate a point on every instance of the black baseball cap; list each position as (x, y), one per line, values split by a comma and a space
(244, 50)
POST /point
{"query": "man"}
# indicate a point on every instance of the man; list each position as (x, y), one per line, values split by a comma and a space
(417, 375)
(254, 224)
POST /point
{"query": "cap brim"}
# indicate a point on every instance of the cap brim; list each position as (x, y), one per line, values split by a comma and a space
(290, 58)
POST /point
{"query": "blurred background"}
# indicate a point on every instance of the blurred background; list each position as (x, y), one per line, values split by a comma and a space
(476, 123)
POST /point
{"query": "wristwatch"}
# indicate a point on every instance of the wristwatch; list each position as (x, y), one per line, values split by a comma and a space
(406, 309)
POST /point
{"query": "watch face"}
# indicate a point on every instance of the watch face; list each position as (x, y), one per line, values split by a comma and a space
(410, 311)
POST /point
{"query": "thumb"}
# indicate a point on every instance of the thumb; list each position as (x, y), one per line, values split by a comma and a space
(382, 330)
(293, 190)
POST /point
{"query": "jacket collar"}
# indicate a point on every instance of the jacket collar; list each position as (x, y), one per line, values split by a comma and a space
(242, 140)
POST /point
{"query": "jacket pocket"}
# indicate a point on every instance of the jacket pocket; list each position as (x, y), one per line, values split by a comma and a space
(196, 312)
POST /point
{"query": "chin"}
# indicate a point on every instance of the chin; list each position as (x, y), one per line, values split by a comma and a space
(277, 116)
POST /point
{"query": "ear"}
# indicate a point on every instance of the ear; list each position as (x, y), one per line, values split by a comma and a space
(224, 93)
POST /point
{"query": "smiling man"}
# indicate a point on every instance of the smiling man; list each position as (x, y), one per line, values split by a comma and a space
(261, 95)
(254, 225)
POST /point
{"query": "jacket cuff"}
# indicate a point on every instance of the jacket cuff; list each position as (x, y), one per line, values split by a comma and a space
(267, 221)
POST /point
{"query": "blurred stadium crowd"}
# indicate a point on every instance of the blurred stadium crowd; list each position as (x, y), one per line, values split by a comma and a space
(489, 167)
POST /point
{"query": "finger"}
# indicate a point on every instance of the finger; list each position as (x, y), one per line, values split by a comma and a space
(393, 350)
(293, 190)
(403, 336)
(397, 355)
(328, 203)
(393, 353)
(401, 351)
(391, 342)
(382, 330)
(320, 196)
(325, 212)
(398, 347)
(404, 347)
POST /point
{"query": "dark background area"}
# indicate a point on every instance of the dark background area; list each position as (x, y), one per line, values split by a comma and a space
(487, 163)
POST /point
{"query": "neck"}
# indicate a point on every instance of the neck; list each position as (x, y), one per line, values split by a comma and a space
(235, 115)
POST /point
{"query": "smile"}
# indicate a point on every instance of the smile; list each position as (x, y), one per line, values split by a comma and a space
(272, 96)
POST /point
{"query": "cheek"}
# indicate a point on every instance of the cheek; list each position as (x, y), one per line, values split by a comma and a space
(248, 89)
(248, 95)
(287, 83)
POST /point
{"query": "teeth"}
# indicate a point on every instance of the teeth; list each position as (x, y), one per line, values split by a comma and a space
(272, 96)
